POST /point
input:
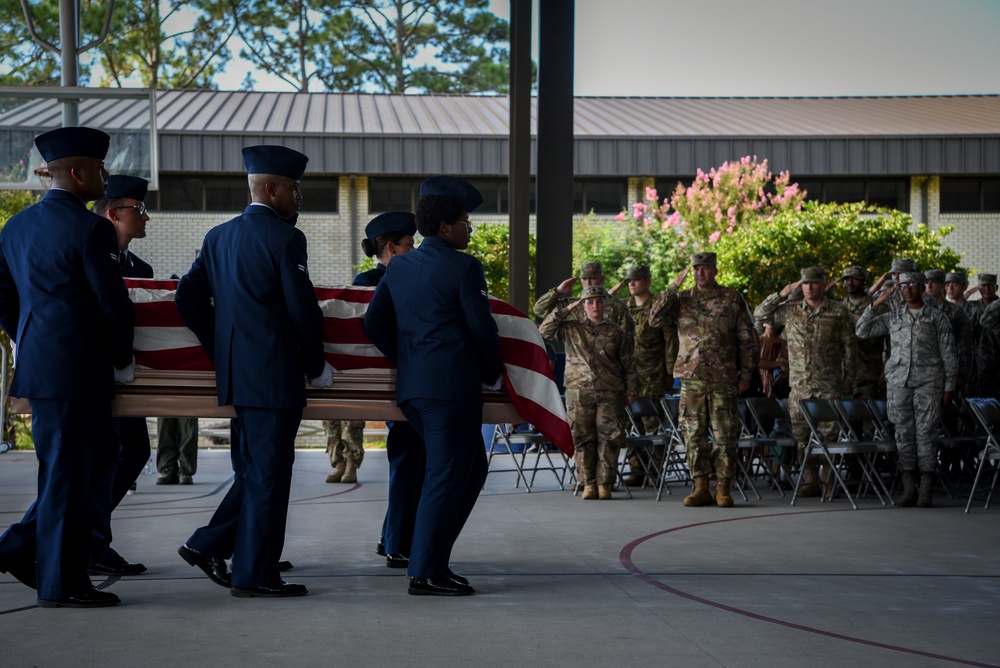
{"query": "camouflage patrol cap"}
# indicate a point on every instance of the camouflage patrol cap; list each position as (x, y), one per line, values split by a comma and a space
(592, 269)
(594, 291)
(911, 277)
(855, 272)
(706, 259)
(956, 277)
(987, 279)
(934, 275)
(638, 272)
(902, 264)
(813, 275)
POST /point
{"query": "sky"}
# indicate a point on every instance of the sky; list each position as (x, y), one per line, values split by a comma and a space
(771, 48)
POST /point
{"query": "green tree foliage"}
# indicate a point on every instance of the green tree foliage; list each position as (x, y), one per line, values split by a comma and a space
(490, 243)
(23, 62)
(377, 45)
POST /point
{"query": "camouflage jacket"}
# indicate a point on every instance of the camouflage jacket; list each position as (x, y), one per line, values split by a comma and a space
(598, 356)
(655, 349)
(715, 334)
(962, 331)
(973, 311)
(616, 311)
(821, 347)
(870, 361)
(923, 347)
(990, 316)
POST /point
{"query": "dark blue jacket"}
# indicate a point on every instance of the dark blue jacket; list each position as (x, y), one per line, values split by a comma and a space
(63, 300)
(134, 266)
(265, 330)
(371, 277)
(431, 316)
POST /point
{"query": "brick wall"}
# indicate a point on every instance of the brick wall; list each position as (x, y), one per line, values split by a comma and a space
(975, 234)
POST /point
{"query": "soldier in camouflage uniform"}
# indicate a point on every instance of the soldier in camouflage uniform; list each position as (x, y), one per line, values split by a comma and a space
(600, 380)
(715, 359)
(961, 328)
(655, 352)
(987, 289)
(920, 376)
(591, 274)
(868, 382)
(955, 284)
(345, 445)
(821, 354)
(988, 352)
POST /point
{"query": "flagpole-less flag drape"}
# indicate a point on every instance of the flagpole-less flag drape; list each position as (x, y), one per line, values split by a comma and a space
(163, 342)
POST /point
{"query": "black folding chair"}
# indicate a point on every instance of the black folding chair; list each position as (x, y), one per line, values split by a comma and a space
(987, 412)
(766, 417)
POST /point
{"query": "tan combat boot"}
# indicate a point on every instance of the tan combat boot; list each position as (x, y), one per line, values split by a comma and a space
(722, 489)
(604, 493)
(350, 473)
(810, 481)
(338, 472)
(589, 492)
(909, 496)
(701, 496)
(635, 480)
(924, 496)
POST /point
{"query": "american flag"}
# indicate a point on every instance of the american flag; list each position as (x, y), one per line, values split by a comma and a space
(163, 342)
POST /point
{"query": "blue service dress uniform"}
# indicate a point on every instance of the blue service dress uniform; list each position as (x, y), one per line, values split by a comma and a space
(431, 316)
(264, 334)
(64, 303)
(132, 440)
(405, 451)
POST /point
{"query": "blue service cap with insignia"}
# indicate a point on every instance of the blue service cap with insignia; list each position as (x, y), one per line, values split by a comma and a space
(279, 160)
(402, 222)
(121, 186)
(70, 142)
(452, 186)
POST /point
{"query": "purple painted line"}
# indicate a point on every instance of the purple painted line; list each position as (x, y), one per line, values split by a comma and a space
(626, 560)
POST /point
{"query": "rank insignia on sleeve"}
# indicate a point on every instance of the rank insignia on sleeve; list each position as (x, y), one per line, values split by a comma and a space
(303, 268)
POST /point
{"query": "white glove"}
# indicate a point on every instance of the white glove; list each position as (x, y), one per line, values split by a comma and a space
(325, 379)
(126, 375)
(495, 387)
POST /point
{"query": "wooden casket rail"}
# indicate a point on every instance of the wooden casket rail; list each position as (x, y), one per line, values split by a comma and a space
(356, 395)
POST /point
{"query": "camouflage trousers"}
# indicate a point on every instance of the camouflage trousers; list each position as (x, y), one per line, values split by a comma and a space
(597, 420)
(702, 404)
(800, 429)
(345, 441)
(916, 413)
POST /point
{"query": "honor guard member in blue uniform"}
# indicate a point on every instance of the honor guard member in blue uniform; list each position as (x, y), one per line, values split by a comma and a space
(124, 205)
(249, 300)
(64, 304)
(431, 316)
(386, 236)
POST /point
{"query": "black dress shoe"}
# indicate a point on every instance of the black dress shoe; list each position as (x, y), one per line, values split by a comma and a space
(92, 598)
(23, 571)
(397, 560)
(116, 565)
(284, 566)
(438, 587)
(457, 578)
(380, 548)
(214, 567)
(277, 591)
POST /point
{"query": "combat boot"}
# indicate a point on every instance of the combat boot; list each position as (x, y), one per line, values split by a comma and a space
(701, 496)
(722, 489)
(604, 493)
(909, 496)
(350, 473)
(338, 472)
(635, 480)
(924, 497)
(589, 492)
(810, 481)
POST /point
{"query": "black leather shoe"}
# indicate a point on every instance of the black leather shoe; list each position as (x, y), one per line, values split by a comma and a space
(214, 567)
(277, 591)
(457, 578)
(116, 565)
(380, 548)
(23, 571)
(91, 598)
(284, 566)
(438, 587)
(397, 560)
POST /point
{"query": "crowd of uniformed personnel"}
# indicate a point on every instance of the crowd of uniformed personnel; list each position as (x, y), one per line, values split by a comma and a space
(913, 339)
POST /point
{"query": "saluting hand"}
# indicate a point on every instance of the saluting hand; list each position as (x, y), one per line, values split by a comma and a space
(566, 286)
(878, 284)
(971, 291)
(788, 289)
(617, 287)
(882, 297)
(680, 278)
(829, 286)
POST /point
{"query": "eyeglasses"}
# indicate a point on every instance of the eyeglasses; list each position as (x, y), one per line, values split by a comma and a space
(465, 222)
(139, 208)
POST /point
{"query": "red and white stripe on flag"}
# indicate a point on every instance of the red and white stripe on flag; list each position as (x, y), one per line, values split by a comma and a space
(163, 342)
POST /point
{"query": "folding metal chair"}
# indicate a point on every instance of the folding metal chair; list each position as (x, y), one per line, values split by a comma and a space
(959, 440)
(817, 414)
(644, 445)
(531, 442)
(674, 464)
(767, 416)
(854, 414)
(987, 412)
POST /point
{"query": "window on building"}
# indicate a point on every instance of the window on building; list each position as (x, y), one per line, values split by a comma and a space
(665, 186)
(599, 195)
(320, 194)
(970, 195)
(226, 193)
(178, 193)
(892, 193)
(392, 194)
